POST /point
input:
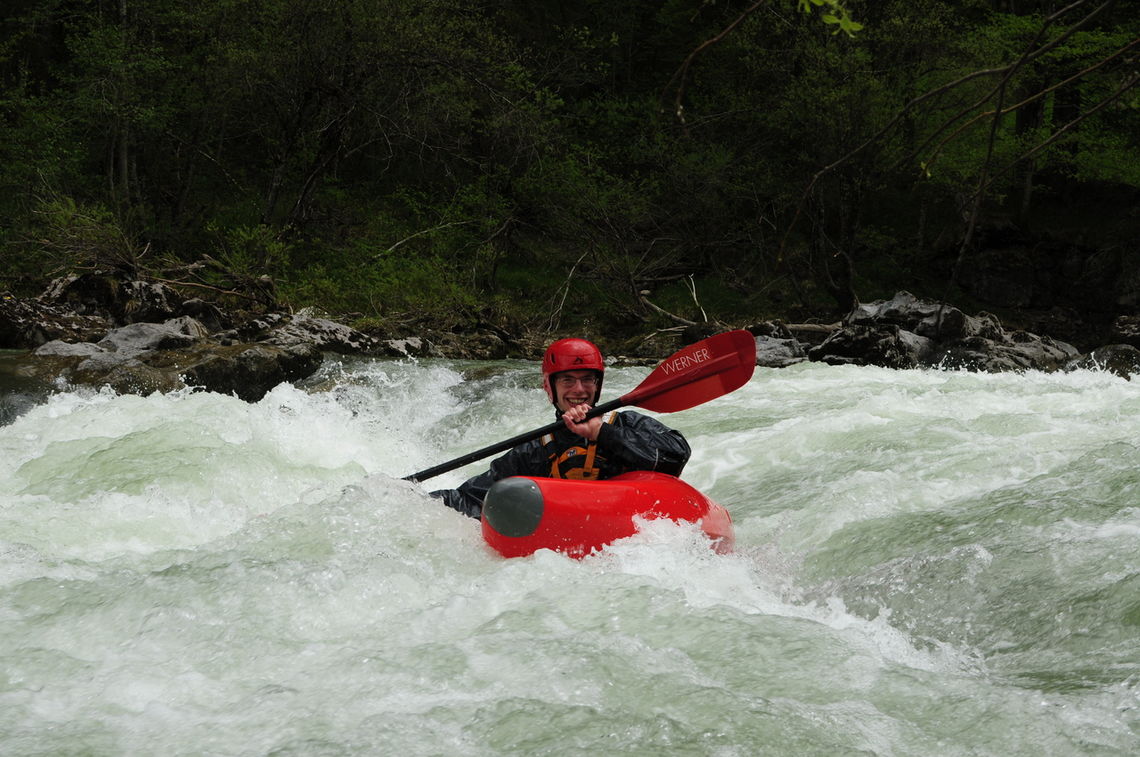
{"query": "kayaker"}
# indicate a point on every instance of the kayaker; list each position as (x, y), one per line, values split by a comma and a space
(598, 448)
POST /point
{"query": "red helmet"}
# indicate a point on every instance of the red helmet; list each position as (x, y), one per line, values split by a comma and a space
(571, 355)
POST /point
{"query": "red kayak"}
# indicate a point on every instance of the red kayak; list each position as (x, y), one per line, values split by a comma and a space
(523, 514)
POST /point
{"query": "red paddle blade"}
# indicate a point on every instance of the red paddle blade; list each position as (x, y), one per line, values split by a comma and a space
(700, 372)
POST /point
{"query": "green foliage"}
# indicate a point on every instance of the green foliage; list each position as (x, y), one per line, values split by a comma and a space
(524, 161)
(834, 13)
(247, 252)
(64, 234)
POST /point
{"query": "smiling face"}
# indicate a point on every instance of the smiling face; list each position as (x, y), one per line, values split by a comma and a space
(572, 388)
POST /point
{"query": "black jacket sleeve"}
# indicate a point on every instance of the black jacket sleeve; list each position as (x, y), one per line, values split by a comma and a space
(638, 442)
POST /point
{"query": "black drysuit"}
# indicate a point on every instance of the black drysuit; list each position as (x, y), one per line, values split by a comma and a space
(632, 442)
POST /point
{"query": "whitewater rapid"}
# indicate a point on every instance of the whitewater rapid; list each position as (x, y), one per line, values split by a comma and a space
(928, 563)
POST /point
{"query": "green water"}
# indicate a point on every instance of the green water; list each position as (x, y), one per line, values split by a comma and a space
(927, 564)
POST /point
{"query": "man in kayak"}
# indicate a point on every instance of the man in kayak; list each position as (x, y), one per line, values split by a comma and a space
(598, 448)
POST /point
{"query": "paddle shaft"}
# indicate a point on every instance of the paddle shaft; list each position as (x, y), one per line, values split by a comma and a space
(506, 444)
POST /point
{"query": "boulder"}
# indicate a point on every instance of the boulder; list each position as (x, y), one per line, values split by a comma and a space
(885, 345)
(908, 332)
(327, 335)
(934, 320)
(143, 337)
(774, 352)
(776, 347)
(248, 371)
(1126, 330)
(114, 296)
(1021, 351)
(1120, 359)
(26, 324)
(412, 346)
(19, 393)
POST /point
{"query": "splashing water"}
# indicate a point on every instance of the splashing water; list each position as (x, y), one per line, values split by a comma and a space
(928, 563)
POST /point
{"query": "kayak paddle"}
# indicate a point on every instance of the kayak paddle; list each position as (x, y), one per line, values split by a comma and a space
(696, 374)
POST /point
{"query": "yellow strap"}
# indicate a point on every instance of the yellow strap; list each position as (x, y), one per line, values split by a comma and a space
(586, 471)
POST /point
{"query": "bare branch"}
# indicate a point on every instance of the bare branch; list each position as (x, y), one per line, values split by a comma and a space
(682, 73)
(1029, 53)
(425, 231)
(666, 313)
(1032, 98)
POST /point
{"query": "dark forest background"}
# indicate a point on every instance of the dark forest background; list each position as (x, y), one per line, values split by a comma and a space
(589, 164)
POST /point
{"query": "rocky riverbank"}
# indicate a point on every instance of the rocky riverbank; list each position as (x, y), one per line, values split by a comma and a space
(141, 337)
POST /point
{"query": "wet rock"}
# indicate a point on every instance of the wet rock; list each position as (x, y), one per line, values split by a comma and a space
(776, 347)
(1126, 330)
(884, 345)
(934, 320)
(478, 346)
(1120, 359)
(248, 371)
(325, 334)
(412, 346)
(26, 324)
(252, 329)
(206, 313)
(907, 332)
(695, 332)
(18, 393)
(1020, 351)
(778, 353)
(60, 348)
(104, 329)
(114, 296)
(126, 375)
(141, 337)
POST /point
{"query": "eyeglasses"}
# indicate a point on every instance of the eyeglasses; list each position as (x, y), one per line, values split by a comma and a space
(565, 382)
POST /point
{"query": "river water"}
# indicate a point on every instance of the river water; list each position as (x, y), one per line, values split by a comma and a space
(927, 563)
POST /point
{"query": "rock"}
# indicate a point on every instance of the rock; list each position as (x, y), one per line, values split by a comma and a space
(1021, 352)
(1065, 324)
(810, 333)
(26, 324)
(206, 313)
(933, 320)
(1126, 330)
(906, 332)
(142, 337)
(884, 345)
(248, 371)
(773, 352)
(126, 375)
(141, 358)
(18, 393)
(60, 348)
(775, 345)
(480, 346)
(1121, 359)
(410, 347)
(162, 343)
(325, 334)
(113, 296)
(252, 329)
(695, 332)
(771, 329)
